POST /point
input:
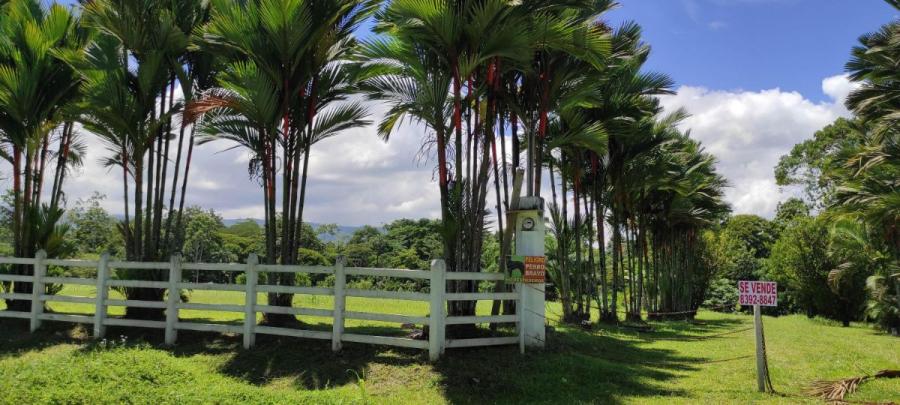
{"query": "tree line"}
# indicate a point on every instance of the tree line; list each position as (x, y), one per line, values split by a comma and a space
(513, 96)
(835, 251)
(850, 171)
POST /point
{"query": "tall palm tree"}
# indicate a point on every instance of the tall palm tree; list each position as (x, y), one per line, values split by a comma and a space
(130, 74)
(36, 86)
(439, 64)
(871, 182)
(295, 50)
(195, 71)
(868, 187)
(456, 66)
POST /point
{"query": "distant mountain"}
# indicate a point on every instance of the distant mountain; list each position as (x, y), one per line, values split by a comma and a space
(230, 222)
(344, 232)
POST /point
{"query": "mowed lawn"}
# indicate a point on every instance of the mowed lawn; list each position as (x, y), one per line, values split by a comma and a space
(709, 360)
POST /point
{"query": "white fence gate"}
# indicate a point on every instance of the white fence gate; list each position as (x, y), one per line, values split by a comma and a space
(437, 299)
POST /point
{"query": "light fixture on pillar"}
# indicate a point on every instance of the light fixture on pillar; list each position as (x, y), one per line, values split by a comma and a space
(529, 243)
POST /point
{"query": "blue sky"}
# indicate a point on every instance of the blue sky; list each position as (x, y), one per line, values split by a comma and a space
(753, 44)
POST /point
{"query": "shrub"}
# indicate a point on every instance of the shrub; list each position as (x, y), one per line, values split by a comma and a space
(722, 296)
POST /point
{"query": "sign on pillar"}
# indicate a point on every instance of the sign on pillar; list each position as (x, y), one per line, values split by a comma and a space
(759, 293)
(529, 242)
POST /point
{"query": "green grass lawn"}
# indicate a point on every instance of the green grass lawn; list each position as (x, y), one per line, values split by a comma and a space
(705, 361)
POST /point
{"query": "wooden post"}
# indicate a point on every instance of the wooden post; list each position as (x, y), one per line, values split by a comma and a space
(102, 294)
(760, 355)
(340, 303)
(173, 299)
(437, 311)
(252, 277)
(37, 289)
(520, 316)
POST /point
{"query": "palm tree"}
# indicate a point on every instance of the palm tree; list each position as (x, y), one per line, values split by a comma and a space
(868, 187)
(130, 74)
(871, 181)
(874, 65)
(614, 96)
(195, 70)
(36, 86)
(457, 66)
(294, 50)
(575, 136)
(440, 64)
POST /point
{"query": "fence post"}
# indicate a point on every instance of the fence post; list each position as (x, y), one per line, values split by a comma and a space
(436, 317)
(173, 299)
(340, 303)
(37, 289)
(251, 277)
(102, 294)
(520, 315)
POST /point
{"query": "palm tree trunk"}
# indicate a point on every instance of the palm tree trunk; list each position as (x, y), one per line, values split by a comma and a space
(148, 226)
(516, 148)
(169, 238)
(143, 294)
(26, 205)
(563, 244)
(18, 217)
(616, 261)
(128, 234)
(17, 204)
(495, 306)
(579, 278)
(164, 245)
(601, 239)
(179, 233)
(590, 272)
(65, 142)
(45, 144)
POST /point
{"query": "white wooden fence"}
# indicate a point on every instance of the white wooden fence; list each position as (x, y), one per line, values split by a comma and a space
(437, 299)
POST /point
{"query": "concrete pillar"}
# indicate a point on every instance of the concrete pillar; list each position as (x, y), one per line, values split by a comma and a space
(530, 242)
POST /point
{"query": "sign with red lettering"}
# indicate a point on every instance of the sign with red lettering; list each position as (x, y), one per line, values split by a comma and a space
(535, 269)
(764, 293)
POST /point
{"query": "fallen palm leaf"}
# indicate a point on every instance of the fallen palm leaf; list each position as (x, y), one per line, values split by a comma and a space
(836, 390)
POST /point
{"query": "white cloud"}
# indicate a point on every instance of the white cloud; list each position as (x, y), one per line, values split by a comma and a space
(356, 178)
(717, 25)
(838, 87)
(749, 131)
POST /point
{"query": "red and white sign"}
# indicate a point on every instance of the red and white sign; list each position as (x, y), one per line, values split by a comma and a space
(535, 269)
(764, 293)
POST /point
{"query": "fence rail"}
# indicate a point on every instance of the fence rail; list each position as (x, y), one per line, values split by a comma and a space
(438, 297)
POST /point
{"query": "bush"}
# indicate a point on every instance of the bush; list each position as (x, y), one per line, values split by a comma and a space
(327, 282)
(361, 284)
(884, 303)
(722, 296)
(302, 280)
(242, 278)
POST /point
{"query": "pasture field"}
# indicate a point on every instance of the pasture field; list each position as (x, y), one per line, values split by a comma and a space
(709, 360)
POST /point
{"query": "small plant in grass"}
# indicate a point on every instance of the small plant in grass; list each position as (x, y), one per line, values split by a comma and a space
(122, 341)
(361, 384)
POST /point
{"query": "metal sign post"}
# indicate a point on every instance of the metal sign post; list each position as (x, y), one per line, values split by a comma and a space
(759, 293)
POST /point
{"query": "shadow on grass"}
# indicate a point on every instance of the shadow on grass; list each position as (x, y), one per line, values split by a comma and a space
(609, 365)
(576, 366)
(694, 330)
(15, 338)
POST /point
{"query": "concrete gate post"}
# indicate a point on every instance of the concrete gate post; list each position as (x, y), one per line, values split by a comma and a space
(530, 242)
